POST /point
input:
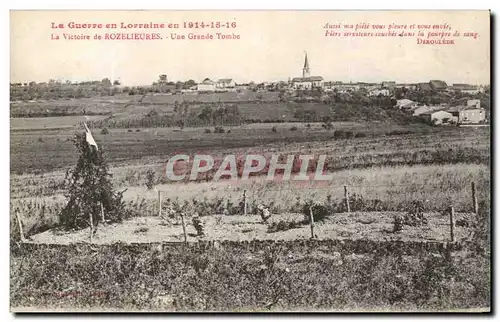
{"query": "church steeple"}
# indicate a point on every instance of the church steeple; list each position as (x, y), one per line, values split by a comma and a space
(305, 70)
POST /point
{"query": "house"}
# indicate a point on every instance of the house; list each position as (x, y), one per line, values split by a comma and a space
(348, 87)
(424, 87)
(207, 85)
(468, 114)
(406, 104)
(307, 82)
(225, 83)
(438, 85)
(389, 85)
(408, 86)
(474, 103)
(439, 117)
(328, 86)
(379, 91)
(465, 88)
(424, 109)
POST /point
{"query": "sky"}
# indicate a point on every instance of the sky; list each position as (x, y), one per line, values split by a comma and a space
(271, 47)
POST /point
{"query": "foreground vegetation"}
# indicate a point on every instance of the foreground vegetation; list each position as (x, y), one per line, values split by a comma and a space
(239, 279)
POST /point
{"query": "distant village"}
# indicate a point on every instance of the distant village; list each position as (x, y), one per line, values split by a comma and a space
(462, 106)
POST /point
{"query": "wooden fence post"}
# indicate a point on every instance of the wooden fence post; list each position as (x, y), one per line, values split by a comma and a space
(452, 223)
(19, 222)
(474, 198)
(311, 221)
(91, 226)
(245, 202)
(102, 214)
(346, 196)
(159, 203)
(184, 227)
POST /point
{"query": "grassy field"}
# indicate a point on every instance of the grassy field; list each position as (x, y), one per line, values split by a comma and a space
(41, 151)
(275, 278)
(120, 103)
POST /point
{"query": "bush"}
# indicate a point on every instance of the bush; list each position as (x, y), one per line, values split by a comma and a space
(274, 130)
(198, 225)
(89, 188)
(141, 230)
(129, 130)
(208, 131)
(398, 132)
(219, 129)
(319, 209)
(398, 224)
(327, 123)
(415, 215)
(138, 130)
(293, 128)
(150, 179)
(339, 134)
(360, 135)
(104, 131)
(283, 226)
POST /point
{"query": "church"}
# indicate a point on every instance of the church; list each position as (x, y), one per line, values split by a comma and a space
(307, 81)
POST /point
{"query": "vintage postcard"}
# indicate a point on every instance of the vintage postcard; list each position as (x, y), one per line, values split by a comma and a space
(250, 161)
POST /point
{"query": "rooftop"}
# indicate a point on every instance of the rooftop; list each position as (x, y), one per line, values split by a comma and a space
(307, 79)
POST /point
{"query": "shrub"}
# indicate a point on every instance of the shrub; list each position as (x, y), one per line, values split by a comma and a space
(398, 132)
(141, 230)
(198, 225)
(293, 128)
(129, 130)
(88, 188)
(138, 130)
(274, 130)
(283, 226)
(219, 129)
(360, 135)
(208, 131)
(415, 215)
(339, 134)
(150, 179)
(319, 209)
(398, 224)
(327, 123)
(104, 131)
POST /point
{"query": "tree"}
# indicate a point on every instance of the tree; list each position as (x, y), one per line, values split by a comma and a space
(190, 83)
(116, 83)
(106, 82)
(88, 187)
(327, 123)
(162, 79)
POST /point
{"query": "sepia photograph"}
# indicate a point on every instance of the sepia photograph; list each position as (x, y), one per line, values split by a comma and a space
(250, 161)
